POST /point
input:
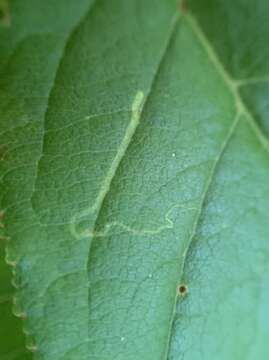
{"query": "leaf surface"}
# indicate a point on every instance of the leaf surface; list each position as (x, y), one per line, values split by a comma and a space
(136, 178)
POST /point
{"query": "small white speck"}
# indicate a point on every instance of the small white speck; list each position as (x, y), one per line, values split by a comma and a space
(150, 276)
(122, 338)
(87, 117)
(174, 155)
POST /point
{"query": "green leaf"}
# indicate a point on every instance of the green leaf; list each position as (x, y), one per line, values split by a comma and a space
(12, 343)
(135, 177)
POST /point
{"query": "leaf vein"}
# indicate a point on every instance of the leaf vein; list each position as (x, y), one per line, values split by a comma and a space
(224, 146)
(232, 84)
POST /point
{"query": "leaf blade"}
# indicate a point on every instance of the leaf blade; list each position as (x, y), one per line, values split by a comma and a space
(121, 301)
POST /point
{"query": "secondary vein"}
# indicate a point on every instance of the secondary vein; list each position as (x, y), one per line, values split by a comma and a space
(232, 84)
(224, 146)
(241, 109)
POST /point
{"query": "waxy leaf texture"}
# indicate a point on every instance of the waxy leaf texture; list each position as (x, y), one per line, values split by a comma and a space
(134, 179)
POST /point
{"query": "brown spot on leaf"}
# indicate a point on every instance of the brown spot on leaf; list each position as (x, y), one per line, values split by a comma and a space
(4, 13)
(182, 289)
(183, 6)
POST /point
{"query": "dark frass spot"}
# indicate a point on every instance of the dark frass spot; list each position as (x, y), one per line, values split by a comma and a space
(182, 289)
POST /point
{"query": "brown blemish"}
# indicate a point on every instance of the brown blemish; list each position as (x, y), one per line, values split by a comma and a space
(183, 6)
(182, 290)
(4, 13)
